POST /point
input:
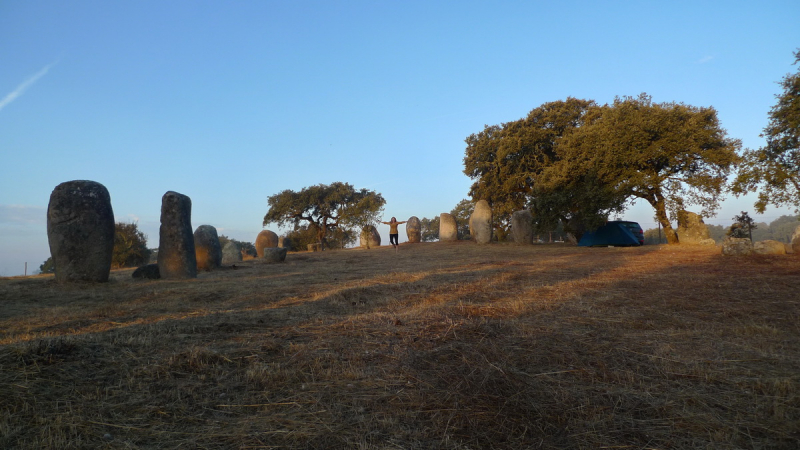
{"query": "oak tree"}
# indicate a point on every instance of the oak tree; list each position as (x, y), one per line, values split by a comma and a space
(506, 160)
(325, 208)
(669, 154)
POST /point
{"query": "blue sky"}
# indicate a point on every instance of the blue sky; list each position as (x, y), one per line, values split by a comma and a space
(231, 102)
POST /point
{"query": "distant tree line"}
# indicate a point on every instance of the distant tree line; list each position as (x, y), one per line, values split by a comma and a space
(780, 229)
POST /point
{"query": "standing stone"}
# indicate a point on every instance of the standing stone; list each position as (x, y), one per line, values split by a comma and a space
(274, 254)
(284, 242)
(176, 256)
(737, 246)
(448, 229)
(796, 240)
(231, 253)
(414, 229)
(522, 227)
(80, 230)
(207, 249)
(691, 228)
(265, 239)
(370, 238)
(149, 271)
(480, 222)
(769, 247)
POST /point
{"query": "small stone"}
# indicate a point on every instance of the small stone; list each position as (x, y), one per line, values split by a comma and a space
(274, 254)
(769, 247)
(522, 227)
(369, 238)
(414, 229)
(265, 239)
(149, 272)
(231, 253)
(737, 246)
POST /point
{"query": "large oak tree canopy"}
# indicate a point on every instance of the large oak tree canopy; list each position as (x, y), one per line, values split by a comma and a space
(577, 162)
(325, 207)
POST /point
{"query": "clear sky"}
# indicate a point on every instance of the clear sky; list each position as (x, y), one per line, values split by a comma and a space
(231, 102)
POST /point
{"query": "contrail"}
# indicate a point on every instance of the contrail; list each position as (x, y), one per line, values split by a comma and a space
(25, 85)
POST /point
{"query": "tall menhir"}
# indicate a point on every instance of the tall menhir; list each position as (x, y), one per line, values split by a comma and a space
(176, 252)
(80, 230)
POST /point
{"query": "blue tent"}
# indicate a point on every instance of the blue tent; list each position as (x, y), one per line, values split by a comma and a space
(616, 233)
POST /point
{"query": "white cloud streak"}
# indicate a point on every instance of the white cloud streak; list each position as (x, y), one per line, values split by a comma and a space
(25, 85)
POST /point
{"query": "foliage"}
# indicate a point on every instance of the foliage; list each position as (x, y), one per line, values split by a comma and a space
(654, 236)
(782, 228)
(669, 154)
(775, 168)
(743, 226)
(461, 212)
(716, 232)
(430, 229)
(325, 208)
(48, 266)
(506, 160)
(576, 162)
(248, 247)
(304, 235)
(130, 246)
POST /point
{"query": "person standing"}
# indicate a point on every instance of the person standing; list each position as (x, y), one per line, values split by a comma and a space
(393, 234)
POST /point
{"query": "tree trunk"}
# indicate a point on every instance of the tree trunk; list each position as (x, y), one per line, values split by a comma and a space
(661, 216)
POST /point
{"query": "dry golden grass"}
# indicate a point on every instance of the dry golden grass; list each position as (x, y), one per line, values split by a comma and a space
(448, 345)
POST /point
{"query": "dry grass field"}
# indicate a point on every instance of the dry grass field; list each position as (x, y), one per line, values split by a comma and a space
(446, 345)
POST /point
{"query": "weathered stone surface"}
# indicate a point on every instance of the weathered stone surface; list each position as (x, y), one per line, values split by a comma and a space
(265, 239)
(149, 271)
(691, 228)
(414, 229)
(708, 241)
(370, 238)
(737, 246)
(207, 248)
(522, 227)
(231, 253)
(769, 247)
(176, 256)
(796, 240)
(274, 254)
(480, 222)
(80, 230)
(448, 229)
(284, 242)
